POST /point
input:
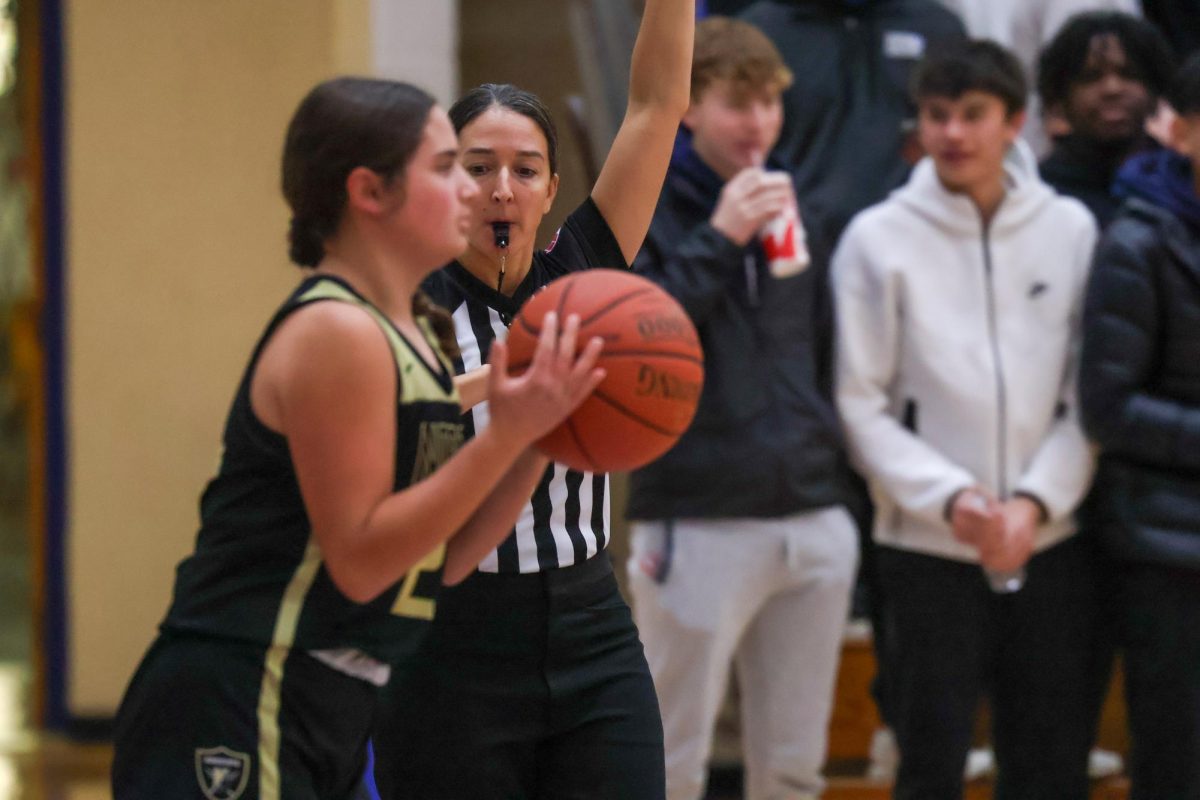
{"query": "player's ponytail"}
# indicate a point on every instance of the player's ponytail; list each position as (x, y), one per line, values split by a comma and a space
(440, 320)
(340, 125)
(305, 246)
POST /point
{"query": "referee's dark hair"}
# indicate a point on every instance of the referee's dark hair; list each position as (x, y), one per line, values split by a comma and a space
(1062, 62)
(975, 65)
(1184, 94)
(505, 95)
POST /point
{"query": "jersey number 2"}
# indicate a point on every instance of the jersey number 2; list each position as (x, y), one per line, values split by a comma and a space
(408, 602)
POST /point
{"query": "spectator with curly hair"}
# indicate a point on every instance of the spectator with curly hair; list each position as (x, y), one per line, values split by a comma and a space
(1102, 75)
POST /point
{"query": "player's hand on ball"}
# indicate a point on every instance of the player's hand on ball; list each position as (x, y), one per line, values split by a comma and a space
(559, 378)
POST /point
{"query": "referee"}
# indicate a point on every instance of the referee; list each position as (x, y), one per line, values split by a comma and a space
(532, 682)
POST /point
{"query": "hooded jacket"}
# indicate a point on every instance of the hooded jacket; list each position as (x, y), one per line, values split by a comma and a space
(1086, 169)
(765, 440)
(956, 353)
(1140, 368)
(848, 110)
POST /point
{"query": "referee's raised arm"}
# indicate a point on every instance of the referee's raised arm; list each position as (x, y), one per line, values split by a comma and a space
(631, 179)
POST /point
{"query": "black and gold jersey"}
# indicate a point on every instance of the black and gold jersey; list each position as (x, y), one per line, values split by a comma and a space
(257, 573)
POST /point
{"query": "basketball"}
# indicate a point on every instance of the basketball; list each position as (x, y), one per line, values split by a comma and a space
(653, 361)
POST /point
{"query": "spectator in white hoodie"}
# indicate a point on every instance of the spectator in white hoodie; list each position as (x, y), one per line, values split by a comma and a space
(958, 301)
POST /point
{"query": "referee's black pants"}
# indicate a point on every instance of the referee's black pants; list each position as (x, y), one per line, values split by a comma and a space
(528, 687)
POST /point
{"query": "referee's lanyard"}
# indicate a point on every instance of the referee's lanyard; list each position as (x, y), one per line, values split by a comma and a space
(751, 266)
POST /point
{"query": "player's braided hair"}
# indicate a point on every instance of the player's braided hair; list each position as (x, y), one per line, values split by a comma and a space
(441, 322)
(343, 124)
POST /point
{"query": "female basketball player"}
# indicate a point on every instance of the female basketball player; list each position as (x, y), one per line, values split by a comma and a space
(341, 503)
(532, 682)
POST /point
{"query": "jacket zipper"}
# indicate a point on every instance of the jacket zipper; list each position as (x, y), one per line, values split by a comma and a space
(750, 265)
(998, 366)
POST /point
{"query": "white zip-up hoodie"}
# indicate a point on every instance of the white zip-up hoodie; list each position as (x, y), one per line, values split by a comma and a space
(956, 353)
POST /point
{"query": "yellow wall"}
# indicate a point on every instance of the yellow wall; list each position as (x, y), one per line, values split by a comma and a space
(176, 257)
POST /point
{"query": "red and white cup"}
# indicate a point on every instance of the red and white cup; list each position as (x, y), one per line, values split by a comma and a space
(786, 245)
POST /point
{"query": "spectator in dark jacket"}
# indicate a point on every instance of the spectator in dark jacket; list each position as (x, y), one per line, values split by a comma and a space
(742, 550)
(1180, 19)
(849, 138)
(1140, 400)
(848, 127)
(1101, 75)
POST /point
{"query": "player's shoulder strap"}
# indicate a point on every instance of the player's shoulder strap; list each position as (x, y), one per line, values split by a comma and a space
(416, 381)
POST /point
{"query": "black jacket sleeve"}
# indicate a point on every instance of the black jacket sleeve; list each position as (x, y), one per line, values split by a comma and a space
(824, 320)
(697, 271)
(1120, 357)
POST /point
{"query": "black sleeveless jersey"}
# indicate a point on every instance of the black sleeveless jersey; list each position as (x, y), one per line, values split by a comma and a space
(257, 574)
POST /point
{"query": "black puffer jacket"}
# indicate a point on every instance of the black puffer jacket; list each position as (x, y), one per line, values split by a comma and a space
(1140, 386)
(765, 441)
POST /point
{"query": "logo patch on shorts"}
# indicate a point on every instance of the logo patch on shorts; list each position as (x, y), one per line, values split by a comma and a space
(222, 773)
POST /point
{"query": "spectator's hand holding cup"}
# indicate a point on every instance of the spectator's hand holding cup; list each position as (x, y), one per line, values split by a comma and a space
(756, 201)
(750, 200)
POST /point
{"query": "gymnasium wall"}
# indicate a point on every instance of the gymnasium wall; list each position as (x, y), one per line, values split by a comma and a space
(175, 259)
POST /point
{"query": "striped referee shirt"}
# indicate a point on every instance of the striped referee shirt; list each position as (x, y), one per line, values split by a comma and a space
(567, 519)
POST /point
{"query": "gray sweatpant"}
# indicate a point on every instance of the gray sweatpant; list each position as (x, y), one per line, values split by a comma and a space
(772, 596)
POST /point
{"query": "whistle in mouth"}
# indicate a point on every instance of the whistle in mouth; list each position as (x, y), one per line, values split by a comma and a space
(500, 231)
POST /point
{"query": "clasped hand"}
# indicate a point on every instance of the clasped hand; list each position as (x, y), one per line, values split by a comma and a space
(1003, 532)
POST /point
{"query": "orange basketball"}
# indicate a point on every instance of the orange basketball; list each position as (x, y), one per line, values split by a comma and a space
(653, 360)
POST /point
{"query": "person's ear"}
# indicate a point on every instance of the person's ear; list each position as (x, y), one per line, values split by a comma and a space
(365, 190)
(1181, 134)
(551, 193)
(1054, 121)
(1160, 125)
(1016, 122)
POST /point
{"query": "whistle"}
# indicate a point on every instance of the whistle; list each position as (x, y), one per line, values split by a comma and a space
(500, 232)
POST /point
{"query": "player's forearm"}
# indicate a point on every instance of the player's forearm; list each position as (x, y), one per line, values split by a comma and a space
(408, 524)
(494, 519)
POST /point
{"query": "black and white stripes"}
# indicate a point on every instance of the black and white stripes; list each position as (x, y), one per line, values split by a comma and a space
(566, 520)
